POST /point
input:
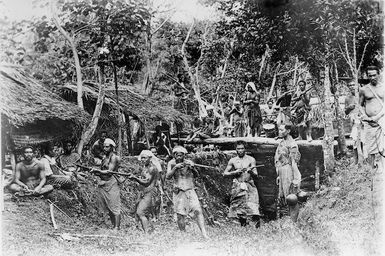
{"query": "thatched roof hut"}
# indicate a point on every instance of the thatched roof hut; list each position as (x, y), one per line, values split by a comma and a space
(33, 114)
(147, 110)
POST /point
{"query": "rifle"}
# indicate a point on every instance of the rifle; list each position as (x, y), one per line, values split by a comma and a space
(215, 168)
(97, 170)
(299, 96)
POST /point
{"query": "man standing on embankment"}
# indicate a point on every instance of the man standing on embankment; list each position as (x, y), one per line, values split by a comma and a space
(372, 100)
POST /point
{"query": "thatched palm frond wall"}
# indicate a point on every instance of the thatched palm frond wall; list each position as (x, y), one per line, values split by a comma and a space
(24, 100)
(147, 110)
(32, 114)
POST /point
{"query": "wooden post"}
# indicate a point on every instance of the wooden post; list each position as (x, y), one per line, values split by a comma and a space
(118, 113)
(340, 124)
(328, 140)
(317, 175)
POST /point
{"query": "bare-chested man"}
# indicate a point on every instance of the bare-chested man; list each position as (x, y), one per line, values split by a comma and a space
(301, 108)
(108, 191)
(372, 100)
(244, 193)
(252, 109)
(30, 176)
(150, 197)
(185, 198)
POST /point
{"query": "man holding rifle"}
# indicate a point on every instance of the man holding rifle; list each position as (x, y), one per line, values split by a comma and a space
(244, 193)
(301, 109)
(108, 188)
(149, 198)
(185, 199)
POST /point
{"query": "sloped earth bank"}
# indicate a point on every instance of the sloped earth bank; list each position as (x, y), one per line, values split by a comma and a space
(336, 221)
(339, 219)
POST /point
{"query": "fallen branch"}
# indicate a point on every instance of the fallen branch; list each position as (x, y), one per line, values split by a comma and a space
(81, 235)
(57, 207)
(52, 216)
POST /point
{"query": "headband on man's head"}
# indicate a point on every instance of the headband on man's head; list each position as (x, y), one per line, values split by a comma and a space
(179, 149)
(145, 153)
(109, 142)
(372, 68)
(252, 85)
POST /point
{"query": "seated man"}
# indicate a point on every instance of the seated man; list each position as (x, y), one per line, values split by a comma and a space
(68, 160)
(7, 173)
(97, 148)
(208, 128)
(270, 113)
(30, 176)
(54, 175)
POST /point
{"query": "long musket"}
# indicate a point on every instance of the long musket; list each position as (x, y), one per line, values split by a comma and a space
(98, 170)
(212, 167)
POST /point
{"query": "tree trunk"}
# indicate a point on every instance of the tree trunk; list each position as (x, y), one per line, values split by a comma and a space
(194, 80)
(295, 75)
(147, 82)
(90, 130)
(273, 83)
(118, 112)
(339, 116)
(328, 140)
(79, 79)
(264, 57)
(129, 135)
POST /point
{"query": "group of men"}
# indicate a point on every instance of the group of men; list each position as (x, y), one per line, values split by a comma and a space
(249, 118)
(244, 193)
(246, 117)
(40, 177)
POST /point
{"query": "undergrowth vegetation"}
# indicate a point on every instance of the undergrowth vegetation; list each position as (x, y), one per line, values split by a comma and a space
(338, 220)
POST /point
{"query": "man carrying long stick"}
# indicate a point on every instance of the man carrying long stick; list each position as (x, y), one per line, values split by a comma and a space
(150, 196)
(185, 199)
(244, 193)
(108, 188)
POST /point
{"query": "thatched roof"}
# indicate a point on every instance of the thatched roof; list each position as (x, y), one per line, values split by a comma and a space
(146, 109)
(25, 101)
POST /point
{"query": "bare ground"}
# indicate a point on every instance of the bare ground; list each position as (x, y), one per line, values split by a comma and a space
(337, 221)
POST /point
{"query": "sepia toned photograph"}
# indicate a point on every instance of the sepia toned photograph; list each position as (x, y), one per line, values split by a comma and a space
(192, 127)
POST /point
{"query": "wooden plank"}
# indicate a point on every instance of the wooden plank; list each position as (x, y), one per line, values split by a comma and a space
(255, 140)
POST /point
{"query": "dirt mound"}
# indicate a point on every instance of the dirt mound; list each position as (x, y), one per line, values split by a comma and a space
(338, 220)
